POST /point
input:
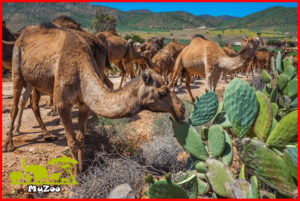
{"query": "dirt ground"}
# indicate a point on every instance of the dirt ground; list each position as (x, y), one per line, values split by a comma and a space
(30, 144)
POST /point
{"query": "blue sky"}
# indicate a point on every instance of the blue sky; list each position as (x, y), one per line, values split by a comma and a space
(215, 9)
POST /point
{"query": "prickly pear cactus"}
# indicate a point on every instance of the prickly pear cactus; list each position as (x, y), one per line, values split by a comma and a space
(200, 167)
(254, 187)
(265, 76)
(274, 123)
(203, 187)
(241, 105)
(274, 94)
(278, 62)
(289, 71)
(285, 132)
(295, 103)
(241, 189)
(242, 172)
(290, 164)
(274, 107)
(264, 118)
(293, 153)
(216, 140)
(204, 109)
(204, 133)
(189, 138)
(228, 151)
(268, 166)
(282, 81)
(287, 62)
(292, 87)
(166, 189)
(220, 177)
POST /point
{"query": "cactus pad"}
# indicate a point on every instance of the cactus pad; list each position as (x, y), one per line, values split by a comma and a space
(200, 167)
(274, 107)
(216, 140)
(274, 94)
(274, 123)
(278, 62)
(267, 166)
(264, 118)
(220, 177)
(205, 108)
(242, 172)
(289, 71)
(285, 132)
(292, 87)
(166, 189)
(204, 133)
(295, 103)
(287, 62)
(273, 64)
(203, 187)
(290, 164)
(254, 187)
(282, 81)
(293, 152)
(228, 151)
(265, 76)
(241, 189)
(189, 138)
(241, 105)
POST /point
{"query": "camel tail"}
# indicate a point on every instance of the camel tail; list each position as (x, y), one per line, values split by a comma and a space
(177, 70)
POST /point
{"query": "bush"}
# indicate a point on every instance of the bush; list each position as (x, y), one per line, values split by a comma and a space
(291, 44)
(274, 42)
(135, 38)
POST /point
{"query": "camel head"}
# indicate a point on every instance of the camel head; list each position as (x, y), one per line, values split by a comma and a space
(67, 22)
(252, 44)
(155, 96)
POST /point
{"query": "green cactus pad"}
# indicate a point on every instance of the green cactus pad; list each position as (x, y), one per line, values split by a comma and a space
(273, 64)
(220, 177)
(287, 62)
(241, 105)
(189, 138)
(282, 81)
(290, 164)
(274, 107)
(267, 166)
(241, 189)
(263, 122)
(166, 189)
(295, 103)
(285, 132)
(293, 87)
(200, 167)
(190, 183)
(274, 94)
(289, 71)
(267, 90)
(203, 187)
(254, 187)
(274, 123)
(205, 108)
(227, 155)
(265, 76)
(214, 196)
(242, 172)
(293, 153)
(216, 140)
(278, 62)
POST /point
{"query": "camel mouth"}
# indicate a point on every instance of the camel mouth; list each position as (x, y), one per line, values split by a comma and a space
(179, 115)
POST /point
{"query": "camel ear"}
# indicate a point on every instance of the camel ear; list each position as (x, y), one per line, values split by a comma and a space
(147, 78)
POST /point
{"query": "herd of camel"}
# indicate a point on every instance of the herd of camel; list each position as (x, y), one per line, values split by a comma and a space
(69, 64)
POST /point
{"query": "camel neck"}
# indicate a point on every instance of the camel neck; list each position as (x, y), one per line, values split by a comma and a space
(106, 102)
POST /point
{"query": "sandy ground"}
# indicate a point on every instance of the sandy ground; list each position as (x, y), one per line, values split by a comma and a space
(31, 145)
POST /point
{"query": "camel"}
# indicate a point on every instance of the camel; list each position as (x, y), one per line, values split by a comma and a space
(204, 57)
(152, 44)
(229, 51)
(121, 52)
(261, 60)
(164, 60)
(67, 71)
(99, 50)
(8, 39)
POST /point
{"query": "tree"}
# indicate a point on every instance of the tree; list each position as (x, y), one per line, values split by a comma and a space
(102, 21)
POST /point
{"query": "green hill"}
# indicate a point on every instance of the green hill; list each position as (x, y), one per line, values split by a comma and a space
(280, 18)
(19, 15)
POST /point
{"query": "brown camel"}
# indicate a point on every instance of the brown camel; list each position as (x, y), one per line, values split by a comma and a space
(204, 57)
(153, 44)
(121, 52)
(229, 51)
(8, 39)
(164, 60)
(261, 60)
(68, 72)
(99, 51)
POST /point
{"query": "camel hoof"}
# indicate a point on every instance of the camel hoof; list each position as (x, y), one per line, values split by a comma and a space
(17, 132)
(50, 138)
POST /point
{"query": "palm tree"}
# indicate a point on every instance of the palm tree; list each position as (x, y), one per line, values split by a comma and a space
(65, 163)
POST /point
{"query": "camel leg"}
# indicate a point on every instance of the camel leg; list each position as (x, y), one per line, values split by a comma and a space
(122, 72)
(24, 99)
(17, 89)
(131, 70)
(36, 110)
(64, 111)
(51, 106)
(83, 115)
(209, 81)
(49, 103)
(187, 84)
(216, 79)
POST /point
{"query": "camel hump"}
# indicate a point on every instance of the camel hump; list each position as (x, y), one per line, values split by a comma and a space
(48, 25)
(199, 36)
(66, 22)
